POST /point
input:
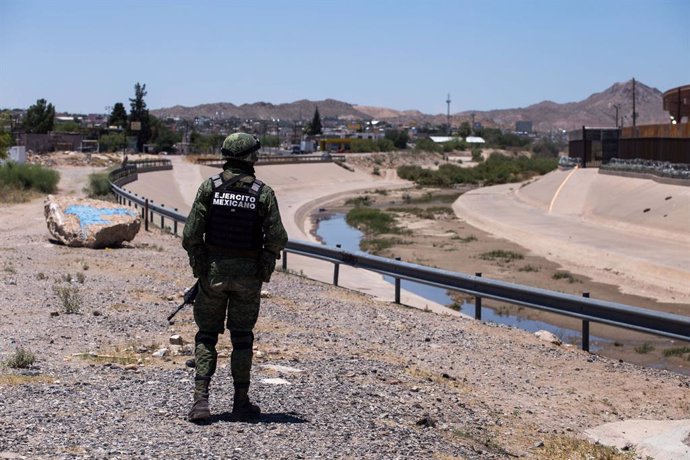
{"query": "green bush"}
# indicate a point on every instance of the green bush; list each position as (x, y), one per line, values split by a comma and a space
(454, 145)
(477, 154)
(363, 145)
(385, 145)
(70, 297)
(678, 351)
(427, 145)
(28, 177)
(113, 142)
(507, 256)
(371, 220)
(99, 185)
(358, 201)
(564, 276)
(498, 169)
(644, 348)
(376, 245)
(21, 359)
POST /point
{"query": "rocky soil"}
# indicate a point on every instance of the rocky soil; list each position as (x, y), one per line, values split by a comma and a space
(337, 374)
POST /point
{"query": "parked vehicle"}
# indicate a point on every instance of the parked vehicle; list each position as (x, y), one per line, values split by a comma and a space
(306, 147)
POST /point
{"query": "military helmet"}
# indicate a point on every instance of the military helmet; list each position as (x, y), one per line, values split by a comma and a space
(240, 146)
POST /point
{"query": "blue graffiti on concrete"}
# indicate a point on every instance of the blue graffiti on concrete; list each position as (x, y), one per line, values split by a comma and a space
(90, 215)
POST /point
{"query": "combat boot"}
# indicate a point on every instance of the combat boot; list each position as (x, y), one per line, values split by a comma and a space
(200, 410)
(242, 408)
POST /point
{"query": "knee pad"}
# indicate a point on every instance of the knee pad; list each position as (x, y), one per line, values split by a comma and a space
(242, 340)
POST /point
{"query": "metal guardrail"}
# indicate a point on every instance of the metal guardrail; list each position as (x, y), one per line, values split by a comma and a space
(278, 159)
(584, 308)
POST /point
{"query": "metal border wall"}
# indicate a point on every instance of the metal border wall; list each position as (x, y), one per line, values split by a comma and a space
(584, 308)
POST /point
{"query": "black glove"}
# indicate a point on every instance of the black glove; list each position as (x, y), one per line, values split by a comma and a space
(198, 260)
(267, 264)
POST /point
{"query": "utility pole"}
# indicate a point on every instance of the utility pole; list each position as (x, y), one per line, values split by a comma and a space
(472, 127)
(634, 114)
(617, 107)
(448, 113)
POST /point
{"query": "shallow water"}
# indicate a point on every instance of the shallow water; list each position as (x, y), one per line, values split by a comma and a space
(334, 230)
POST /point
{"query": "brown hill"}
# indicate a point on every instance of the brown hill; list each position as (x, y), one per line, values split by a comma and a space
(298, 110)
(599, 109)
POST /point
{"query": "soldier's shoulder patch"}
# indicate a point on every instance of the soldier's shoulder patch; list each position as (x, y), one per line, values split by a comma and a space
(216, 180)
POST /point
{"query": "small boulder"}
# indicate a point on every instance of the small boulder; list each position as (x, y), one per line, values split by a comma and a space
(176, 340)
(547, 336)
(160, 353)
(82, 222)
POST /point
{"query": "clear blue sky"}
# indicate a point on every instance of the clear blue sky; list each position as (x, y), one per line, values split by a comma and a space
(85, 55)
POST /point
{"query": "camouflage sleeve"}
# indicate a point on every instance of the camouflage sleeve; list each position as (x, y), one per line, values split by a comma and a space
(275, 235)
(194, 228)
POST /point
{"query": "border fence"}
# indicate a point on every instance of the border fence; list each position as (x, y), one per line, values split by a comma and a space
(584, 308)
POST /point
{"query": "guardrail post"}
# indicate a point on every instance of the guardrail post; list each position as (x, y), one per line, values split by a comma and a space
(478, 304)
(146, 214)
(336, 270)
(397, 287)
(175, 224)
(162, 219)
(284, 260)
(585, 329)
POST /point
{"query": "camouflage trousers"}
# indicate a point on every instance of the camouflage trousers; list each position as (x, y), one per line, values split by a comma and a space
(229, 297)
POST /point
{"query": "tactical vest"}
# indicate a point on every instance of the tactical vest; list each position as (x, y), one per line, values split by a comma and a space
(234, 222)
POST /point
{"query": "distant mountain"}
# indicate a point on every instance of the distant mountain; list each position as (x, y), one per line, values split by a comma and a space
(298, 110)
(599, 109)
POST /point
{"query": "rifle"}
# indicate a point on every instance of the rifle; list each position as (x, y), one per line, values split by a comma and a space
(189, 297)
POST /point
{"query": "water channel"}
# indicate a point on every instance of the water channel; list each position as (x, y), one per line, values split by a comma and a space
(334, 230)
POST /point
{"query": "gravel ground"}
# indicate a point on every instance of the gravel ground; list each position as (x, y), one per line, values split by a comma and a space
(361, 378)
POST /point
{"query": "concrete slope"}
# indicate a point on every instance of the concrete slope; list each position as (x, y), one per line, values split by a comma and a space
(595, 225)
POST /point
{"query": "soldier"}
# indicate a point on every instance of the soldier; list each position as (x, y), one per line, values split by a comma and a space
(233, 236)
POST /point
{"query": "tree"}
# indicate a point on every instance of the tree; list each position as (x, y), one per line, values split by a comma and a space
(139, 113)
(40, 117)
(118, 117)
(314, 127)
(112, 142)
(399, 138)
(465, 129)
(67, 127)
(163, 136)
(6, 140)
(206, 144)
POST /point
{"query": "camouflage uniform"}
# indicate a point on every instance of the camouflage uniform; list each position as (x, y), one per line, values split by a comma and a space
(230, 280)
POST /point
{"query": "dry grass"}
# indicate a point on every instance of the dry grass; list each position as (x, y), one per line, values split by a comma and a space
(18, 379)
(123, 359)
(566, 448)
(12, 195)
